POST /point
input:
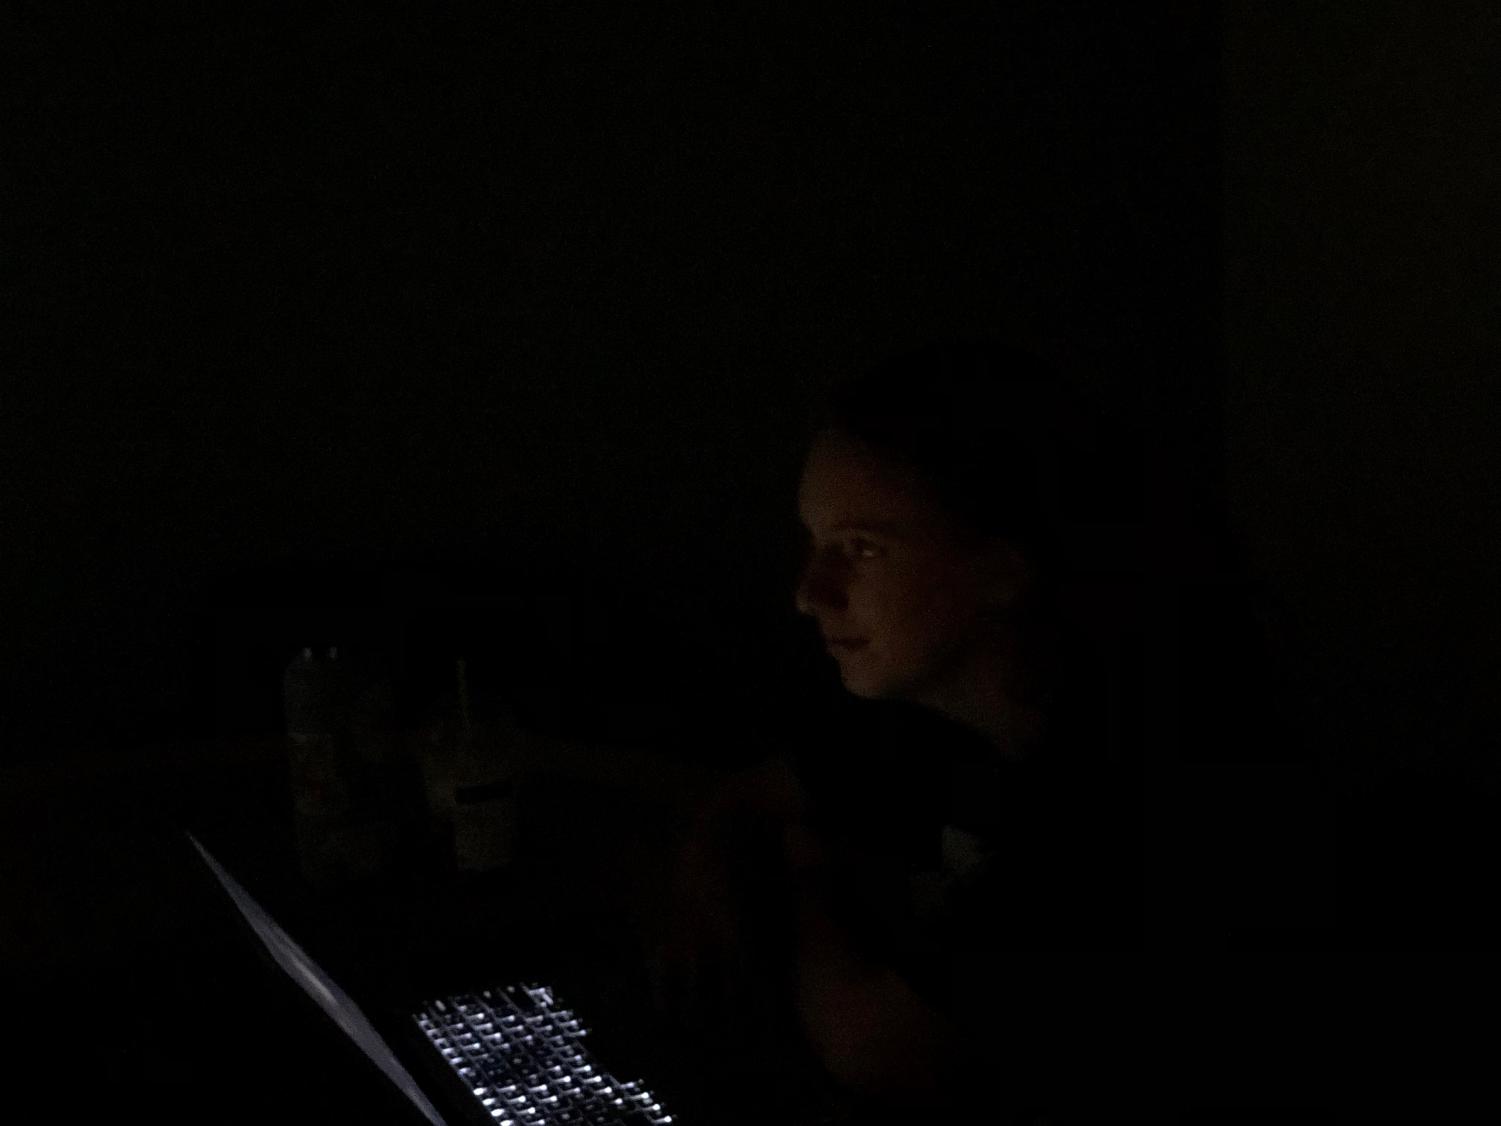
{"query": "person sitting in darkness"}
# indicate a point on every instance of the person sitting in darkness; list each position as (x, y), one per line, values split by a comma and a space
(916, 938)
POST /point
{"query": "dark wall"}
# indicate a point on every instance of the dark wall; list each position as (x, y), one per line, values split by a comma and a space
(1362, 348)
(513, 284)
(1361, 422)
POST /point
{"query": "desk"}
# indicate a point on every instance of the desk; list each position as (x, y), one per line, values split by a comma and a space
(124, 926)
(88, 839)
(110, 915)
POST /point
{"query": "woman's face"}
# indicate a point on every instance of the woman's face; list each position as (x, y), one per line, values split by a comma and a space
(897, 592)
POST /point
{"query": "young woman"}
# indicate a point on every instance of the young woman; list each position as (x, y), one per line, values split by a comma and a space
(916, 940)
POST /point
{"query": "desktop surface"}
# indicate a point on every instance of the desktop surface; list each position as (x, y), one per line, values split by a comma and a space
(180, 1017)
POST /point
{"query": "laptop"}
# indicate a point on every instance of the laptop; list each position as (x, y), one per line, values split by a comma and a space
(512, 1053)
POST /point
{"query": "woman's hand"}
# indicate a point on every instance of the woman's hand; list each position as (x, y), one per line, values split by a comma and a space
(700, 959)
(708, 955)
(870, 1029)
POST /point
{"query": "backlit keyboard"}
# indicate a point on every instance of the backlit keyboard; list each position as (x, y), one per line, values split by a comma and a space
(522, 1055)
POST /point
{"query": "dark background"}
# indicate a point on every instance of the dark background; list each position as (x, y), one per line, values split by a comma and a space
(523, 302)
(543, 287)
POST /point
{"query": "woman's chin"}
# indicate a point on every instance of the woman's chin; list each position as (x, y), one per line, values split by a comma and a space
(872, 680)
(868, 684)
(861, 683)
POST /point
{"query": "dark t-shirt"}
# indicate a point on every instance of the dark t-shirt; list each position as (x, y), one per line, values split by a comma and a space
(1006, 892)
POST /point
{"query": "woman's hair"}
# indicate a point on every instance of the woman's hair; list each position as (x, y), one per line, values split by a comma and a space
(998, 437)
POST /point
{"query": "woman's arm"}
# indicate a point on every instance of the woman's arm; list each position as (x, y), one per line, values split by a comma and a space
(872, 1031)
(870, 1028)
(705, 949)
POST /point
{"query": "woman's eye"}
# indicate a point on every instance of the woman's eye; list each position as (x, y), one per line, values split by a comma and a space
(862, 549)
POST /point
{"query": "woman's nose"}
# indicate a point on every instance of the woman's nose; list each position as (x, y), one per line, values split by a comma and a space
(818, 588)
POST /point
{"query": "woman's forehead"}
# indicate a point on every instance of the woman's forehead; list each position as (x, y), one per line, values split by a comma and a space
(845, 482)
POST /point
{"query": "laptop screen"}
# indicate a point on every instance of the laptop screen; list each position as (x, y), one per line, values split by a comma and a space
(333, 1000)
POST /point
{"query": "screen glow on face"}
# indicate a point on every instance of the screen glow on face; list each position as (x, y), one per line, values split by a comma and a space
(886, 578)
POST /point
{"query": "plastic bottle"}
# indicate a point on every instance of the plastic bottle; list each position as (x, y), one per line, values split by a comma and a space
(485, 808)
(471, 773)
(315, 702)
(341, 828)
